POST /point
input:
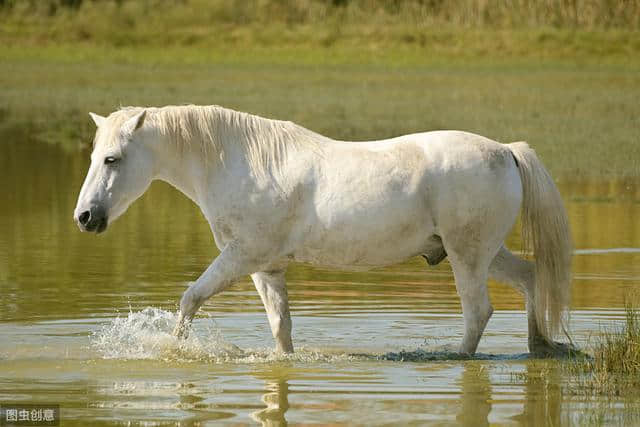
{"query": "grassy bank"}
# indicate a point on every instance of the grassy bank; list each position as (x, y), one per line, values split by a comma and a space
(356, 29)
(581, 116)
(324, 22)
(615, 366)
(360, 30)
(568, 84)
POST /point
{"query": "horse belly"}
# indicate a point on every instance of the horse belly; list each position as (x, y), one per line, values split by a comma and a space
(380, 237)
(369, 207)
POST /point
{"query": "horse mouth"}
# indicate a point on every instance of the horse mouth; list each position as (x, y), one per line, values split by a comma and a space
(102, 225)
(97, 226)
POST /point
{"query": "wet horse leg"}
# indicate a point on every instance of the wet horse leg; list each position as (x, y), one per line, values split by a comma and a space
(520, 274)
(273, 291)
(471, 284)
(231, 264)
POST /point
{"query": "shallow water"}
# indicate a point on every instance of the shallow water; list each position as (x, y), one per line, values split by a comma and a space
(86, 319)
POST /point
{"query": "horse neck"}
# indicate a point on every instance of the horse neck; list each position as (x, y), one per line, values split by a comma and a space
(241, 146)
(183, 170)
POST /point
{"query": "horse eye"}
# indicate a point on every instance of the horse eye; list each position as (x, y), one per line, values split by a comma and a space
(109, 160)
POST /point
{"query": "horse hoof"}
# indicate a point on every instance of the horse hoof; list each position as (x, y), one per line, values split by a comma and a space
(554, 349)
(181, 330)
(181, 334)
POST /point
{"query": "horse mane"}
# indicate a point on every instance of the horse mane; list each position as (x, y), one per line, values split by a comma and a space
(266, 142)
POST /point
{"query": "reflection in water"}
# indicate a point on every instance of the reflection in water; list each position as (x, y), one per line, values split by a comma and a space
(476, 395)
(542, 395)
(276, 398)
(276, 404)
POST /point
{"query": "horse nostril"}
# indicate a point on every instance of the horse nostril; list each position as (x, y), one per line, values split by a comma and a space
(84, 217)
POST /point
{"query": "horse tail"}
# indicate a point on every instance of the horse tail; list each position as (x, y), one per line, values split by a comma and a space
(545, 229)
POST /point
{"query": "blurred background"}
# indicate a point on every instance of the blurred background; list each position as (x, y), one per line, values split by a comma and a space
(559, 73)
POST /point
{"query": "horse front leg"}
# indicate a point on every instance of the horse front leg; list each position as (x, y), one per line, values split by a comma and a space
(229, 266)
(273, 291)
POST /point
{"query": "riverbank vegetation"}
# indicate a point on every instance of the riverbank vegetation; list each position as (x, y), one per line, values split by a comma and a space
(470, 27)
(614, 368)
(561, 74)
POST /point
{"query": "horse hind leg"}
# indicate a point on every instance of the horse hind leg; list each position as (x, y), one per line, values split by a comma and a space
(520, 274)
(471, 285)
(470, 249)
(273, 291)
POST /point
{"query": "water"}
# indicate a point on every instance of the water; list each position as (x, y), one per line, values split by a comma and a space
(85, 320)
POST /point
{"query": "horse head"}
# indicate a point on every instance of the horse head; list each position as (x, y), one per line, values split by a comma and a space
(121, 169)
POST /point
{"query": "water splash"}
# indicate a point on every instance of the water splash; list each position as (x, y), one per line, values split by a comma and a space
(147, 334)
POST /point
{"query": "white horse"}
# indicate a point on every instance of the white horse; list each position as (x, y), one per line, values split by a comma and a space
(274, 192)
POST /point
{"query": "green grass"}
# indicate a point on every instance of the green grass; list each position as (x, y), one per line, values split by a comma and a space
(581, 116)
(125, 22)
(360, 69)
(614, 368)
(337, 30)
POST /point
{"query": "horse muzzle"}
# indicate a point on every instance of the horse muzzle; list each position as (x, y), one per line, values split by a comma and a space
(93, 220)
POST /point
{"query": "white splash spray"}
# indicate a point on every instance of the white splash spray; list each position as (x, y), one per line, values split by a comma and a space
(147, 334)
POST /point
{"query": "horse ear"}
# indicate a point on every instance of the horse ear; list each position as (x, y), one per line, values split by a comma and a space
(97, 119)
(135, 122)
(140, 120)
